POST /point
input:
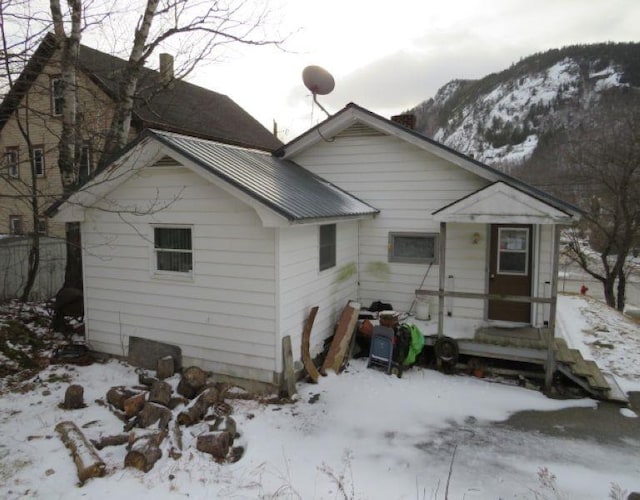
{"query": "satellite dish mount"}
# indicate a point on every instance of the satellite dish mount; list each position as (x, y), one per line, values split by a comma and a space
(319, 81)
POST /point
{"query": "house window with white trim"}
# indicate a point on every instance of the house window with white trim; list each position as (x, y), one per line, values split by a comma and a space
(57, 96)
(38, 161)
(413, 248)
(15, 224)
(173, 249)
(327, 246)
(513, 250)
(12, 158)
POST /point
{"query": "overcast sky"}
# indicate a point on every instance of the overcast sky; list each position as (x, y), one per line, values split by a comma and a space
(389, 56)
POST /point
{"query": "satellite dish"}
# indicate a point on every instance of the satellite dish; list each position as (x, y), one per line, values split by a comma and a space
(318, 80)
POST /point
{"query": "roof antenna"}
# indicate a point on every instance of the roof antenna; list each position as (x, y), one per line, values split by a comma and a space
(319, 81)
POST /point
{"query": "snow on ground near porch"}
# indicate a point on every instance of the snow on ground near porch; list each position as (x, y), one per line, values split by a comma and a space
(378, 436)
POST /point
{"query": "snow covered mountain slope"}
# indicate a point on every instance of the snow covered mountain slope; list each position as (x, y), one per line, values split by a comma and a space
(501, 118)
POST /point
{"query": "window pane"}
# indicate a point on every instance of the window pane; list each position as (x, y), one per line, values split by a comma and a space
(513, 239)
(173, 238)
(327, 246)
(174, 261)
(513, 262)
(412, 247)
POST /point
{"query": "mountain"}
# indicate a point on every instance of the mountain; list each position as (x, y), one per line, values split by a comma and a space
(506, 118)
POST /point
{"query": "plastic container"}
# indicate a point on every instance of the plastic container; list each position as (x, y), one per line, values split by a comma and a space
(422, 308)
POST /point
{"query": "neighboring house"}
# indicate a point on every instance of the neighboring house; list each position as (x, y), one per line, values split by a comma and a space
(35, 102)
(244, 243)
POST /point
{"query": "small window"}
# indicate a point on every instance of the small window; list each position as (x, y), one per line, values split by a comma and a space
(413, 248)
(15, 224)
(173, 249)
(513, 250)
(42, 225)
(57, 96)
(327, 246)
(12, 158)
(84, 164)
(38, 161)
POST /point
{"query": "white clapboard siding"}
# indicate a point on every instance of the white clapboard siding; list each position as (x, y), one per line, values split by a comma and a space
(406, 184)
(303, 286)
(224, 316)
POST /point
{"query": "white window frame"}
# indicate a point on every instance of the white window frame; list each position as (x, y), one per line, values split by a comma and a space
(525, 251)
(394, 257)
(38, 159)
(170, 274)
(12, 157)
(42, 225)
(324, 245)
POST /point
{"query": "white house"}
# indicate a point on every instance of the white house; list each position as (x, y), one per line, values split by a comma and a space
(223, 250)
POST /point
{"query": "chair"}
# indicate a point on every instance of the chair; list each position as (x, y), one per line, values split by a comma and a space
(381, 351)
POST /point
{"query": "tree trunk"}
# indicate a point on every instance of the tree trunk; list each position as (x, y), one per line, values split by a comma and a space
(88, 462)
(622, 290)
(133, 405)
(609, 294)
(73, 270)
(117, 440)
(152, 413)
(116, 396)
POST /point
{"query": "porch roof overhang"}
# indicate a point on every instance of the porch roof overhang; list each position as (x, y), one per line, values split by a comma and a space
(502, 203)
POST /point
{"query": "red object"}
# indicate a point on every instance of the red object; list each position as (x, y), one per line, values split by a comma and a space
(583, 290)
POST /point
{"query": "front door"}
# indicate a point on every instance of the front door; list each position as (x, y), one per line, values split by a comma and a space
(510, 271)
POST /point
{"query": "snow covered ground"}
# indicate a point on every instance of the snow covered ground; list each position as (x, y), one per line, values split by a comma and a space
(358, 435)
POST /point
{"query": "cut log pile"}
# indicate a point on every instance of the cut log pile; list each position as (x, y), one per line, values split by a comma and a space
(154, 419)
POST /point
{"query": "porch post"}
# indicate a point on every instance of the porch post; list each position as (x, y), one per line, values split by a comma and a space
(550, 365)
(441, 276)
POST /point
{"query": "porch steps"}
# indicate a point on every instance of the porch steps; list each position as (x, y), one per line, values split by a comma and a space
(584, 372)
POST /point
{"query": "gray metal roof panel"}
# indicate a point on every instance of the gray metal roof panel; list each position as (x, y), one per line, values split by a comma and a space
(282, 185)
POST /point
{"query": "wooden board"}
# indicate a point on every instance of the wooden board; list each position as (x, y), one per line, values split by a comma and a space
(342, 339)
(309, 366)
(289, 382)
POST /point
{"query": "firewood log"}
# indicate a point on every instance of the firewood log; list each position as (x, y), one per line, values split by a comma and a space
(215, 443)
(88, 462)
(152, 413)
(116, 396)
(160, 393)
(145, 452)
(193, 379)
(117, 440)
(73, 397)
(134, 404)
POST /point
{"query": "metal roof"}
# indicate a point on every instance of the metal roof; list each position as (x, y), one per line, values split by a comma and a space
(282, 185)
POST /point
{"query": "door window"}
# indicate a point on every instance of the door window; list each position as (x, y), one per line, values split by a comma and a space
(513, 250)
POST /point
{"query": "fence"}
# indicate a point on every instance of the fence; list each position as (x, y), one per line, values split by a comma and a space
(14, 257)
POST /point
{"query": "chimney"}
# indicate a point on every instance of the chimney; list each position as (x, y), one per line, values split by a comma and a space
(166, 68)
(407, 120)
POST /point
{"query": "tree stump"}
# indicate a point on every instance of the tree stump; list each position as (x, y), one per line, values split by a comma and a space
(145, 452)
(165, 368)
(88, 462)
(152, 413)
(160, 393)
(193, 379)
(73, 397)
(133, 405)
(216, 444)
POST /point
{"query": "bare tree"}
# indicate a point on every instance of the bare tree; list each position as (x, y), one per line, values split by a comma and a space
(596, 165)
(198, 27)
